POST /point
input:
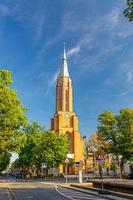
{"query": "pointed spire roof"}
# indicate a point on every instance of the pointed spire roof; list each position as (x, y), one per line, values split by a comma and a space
(64, 67)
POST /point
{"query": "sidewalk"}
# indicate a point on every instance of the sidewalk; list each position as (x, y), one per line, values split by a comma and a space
(116, 183)
(93, 191)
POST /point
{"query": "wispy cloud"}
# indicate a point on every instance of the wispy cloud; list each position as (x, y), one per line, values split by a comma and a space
(81, 44)
(113, 17)
(71, 24)
(124, 93)
(73, 51)
(129, 77)
(53, 79)
(4, 10)
(40, 23)
(39, 30)
(30, 16)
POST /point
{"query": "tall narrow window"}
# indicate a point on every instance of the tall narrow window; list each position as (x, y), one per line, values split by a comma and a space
(66, 100)
(69, 139)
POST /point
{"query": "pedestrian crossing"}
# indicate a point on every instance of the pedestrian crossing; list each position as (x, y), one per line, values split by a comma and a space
(76, 195)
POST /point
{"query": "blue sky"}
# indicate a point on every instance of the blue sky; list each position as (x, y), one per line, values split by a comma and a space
(99, 44)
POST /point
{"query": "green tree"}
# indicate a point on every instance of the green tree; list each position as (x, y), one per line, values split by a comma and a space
(56, 148)
(42, 146)
(125, 128)
(28, 155)
(108, 132)
(12, 117)
(4, 160)
(116, 132)
(113, 166)
(128, 12)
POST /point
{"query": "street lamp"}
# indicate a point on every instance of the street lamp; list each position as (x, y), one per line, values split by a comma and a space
(92, 147)
(120, 162)
(66, 168)
(85, 151)
(94, 159)
(101, 159)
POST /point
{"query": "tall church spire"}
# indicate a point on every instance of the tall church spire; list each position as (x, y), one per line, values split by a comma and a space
(64, 67)
(65, 121)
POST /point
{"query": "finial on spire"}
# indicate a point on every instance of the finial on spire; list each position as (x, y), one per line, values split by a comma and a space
(64, 56)
(64, 67)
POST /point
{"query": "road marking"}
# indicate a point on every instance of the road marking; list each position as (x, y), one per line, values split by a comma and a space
(48, 183)
(63, 194)
(10, 193)
(70, 194)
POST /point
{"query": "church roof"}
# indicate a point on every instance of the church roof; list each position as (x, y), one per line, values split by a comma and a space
(64, 66)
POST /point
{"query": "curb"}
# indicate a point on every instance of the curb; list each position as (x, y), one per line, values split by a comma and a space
(85, 191)
(113, 193)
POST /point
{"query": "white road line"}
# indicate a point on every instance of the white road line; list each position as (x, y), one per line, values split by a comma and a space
(48, 183)
(76, 196)
(73, 192)
(70, 190)
(10, 192)
(81, 197)
(63, 194)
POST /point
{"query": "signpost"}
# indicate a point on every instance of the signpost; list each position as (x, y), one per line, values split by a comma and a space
(100, 159)
(77, 164)
(70, 155)
(44, 166)
(80, 176)
(66, 161)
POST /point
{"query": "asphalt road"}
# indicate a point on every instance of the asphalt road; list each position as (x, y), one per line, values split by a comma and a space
(11, 189)
(14, 190)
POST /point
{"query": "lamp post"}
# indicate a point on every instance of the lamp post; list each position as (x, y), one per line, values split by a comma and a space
(100, 159)
(66, 167)
(93, 148)
(120, 162)
(85, 151)
(94, 158)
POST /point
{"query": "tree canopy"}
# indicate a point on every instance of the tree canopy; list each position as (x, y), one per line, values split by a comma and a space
(42, 147)
(4, 160)
(116, 132)
(128, 12)
(12, 115)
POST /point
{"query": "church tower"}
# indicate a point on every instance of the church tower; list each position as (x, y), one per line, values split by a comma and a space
(65, 121)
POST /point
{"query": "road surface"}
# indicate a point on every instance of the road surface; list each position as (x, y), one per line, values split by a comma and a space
(11, 189)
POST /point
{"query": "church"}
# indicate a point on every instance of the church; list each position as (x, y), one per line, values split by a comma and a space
(65, 120)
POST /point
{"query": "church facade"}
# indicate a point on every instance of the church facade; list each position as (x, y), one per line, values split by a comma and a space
(65, 120)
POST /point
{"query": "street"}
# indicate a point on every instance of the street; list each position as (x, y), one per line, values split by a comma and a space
(12, 189)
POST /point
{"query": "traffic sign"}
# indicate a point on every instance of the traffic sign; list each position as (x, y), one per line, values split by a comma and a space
(66, 160)
(44, 165)
(100, 158)
(77, 164)
(70, 155)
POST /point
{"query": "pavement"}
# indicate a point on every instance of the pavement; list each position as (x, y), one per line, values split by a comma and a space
(118, 183)
(22, 190)
(84, 188)
(18, 190)
(15, 189)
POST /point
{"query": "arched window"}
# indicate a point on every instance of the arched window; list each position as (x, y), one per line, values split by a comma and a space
(69, 139)
(66, 100)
